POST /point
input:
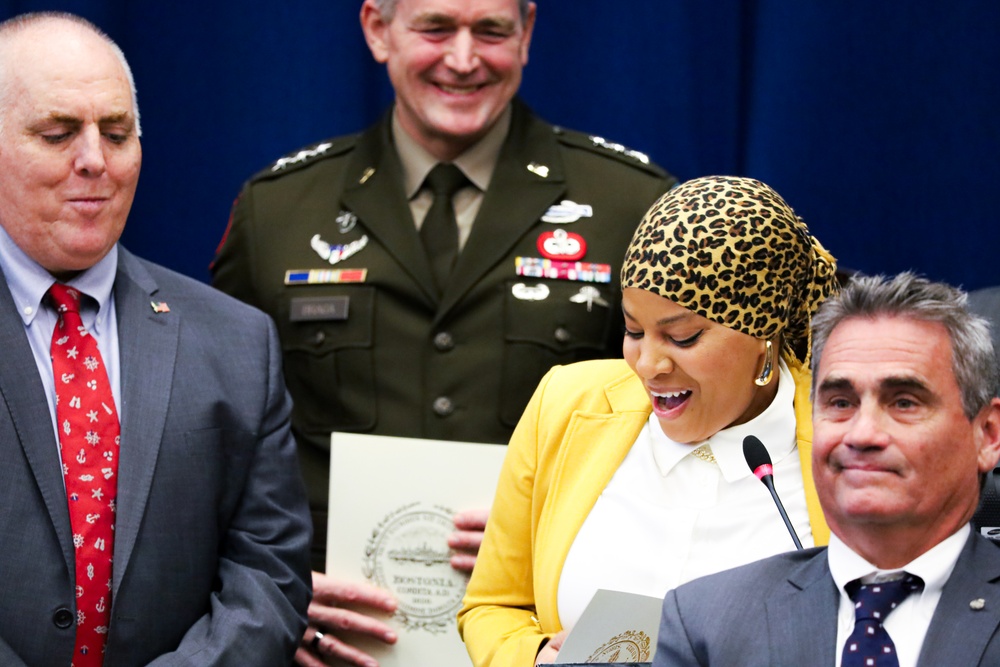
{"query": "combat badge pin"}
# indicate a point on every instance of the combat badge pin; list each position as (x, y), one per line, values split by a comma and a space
(561, 244)
(567, 211)
(337, 253)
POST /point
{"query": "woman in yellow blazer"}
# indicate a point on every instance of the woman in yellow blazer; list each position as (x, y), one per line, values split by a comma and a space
(596, 487)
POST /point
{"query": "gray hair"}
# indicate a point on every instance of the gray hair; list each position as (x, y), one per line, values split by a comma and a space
(973, 359)
(15, 25)
(387, 8)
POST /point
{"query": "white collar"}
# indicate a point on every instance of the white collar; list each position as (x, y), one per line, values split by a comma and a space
(775, 427)
(933, 566)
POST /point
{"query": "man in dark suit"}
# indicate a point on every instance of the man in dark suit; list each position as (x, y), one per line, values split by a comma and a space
(390, 329)
(905, 425)
(151, 504)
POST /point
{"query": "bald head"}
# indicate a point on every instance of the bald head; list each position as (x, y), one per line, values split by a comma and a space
(69, 148)
(22, 34)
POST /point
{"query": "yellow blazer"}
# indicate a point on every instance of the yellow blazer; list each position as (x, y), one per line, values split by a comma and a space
(575, 432)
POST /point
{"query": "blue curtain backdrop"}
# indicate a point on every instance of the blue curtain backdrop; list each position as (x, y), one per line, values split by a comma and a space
(876, 120)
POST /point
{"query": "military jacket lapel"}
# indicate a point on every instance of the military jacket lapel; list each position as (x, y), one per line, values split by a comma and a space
(517, 198)
(374, 192)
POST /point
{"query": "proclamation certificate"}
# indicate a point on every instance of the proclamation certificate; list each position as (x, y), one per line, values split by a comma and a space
(616, 627)
(391, 506)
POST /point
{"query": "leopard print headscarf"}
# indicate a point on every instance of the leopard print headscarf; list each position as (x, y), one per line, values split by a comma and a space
(731, 250)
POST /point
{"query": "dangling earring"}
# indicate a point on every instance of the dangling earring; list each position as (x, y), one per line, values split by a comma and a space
(767, 371)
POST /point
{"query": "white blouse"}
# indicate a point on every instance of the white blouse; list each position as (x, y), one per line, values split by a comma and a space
(667, 517)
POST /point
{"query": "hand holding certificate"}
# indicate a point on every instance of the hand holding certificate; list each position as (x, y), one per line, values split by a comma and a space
(392, 508)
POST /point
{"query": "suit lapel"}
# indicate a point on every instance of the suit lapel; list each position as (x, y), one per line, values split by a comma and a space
(22, 391)
(593, 447)
(809, 593)
(517, 197)
(976, 577)
(147, 343)
(374, 192)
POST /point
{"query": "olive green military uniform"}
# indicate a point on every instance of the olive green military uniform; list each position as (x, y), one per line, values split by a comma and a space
(324, 241)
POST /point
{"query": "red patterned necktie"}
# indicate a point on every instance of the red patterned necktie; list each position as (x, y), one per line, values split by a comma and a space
(88, 441)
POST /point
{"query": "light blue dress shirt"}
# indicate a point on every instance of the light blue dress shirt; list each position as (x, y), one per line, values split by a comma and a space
(28, 282)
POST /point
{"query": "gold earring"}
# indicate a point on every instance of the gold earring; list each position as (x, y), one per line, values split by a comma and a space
(767, 371)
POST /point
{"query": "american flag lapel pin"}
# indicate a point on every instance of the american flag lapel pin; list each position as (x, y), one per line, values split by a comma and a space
(160, 306)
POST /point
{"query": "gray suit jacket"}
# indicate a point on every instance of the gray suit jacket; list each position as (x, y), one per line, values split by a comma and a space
(782, 612)
(212, 529)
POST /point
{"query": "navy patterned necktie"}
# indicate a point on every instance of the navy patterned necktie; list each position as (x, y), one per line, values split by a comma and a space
(439, 231)
(869, 644)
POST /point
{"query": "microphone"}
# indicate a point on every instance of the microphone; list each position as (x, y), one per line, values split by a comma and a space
(760, 463)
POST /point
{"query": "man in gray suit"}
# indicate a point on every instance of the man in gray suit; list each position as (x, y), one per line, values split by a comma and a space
(905, 425)
(194, 546)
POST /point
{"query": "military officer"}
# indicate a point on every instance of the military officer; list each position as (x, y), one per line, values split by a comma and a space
(385, 330)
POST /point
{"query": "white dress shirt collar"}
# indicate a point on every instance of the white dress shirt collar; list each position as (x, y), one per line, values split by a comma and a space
(775, 427)
(933, 566)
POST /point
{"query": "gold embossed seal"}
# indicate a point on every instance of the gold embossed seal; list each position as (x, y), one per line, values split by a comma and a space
(629, 646)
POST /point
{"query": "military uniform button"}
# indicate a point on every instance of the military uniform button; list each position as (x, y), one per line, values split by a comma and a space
(318, 338)
(63, 618)
(444, 342)
(563, 335)
(443, 406)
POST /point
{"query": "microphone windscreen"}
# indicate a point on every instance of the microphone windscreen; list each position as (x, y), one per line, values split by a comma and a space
(755, 453)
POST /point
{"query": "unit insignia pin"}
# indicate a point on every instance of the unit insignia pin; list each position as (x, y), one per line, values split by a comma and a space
(538, 169)
(562, 245)
(345, 221)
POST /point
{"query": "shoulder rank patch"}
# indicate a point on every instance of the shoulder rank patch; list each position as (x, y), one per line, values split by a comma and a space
(301, 156)
(324, 149)
(618, 148)
(611, 149)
